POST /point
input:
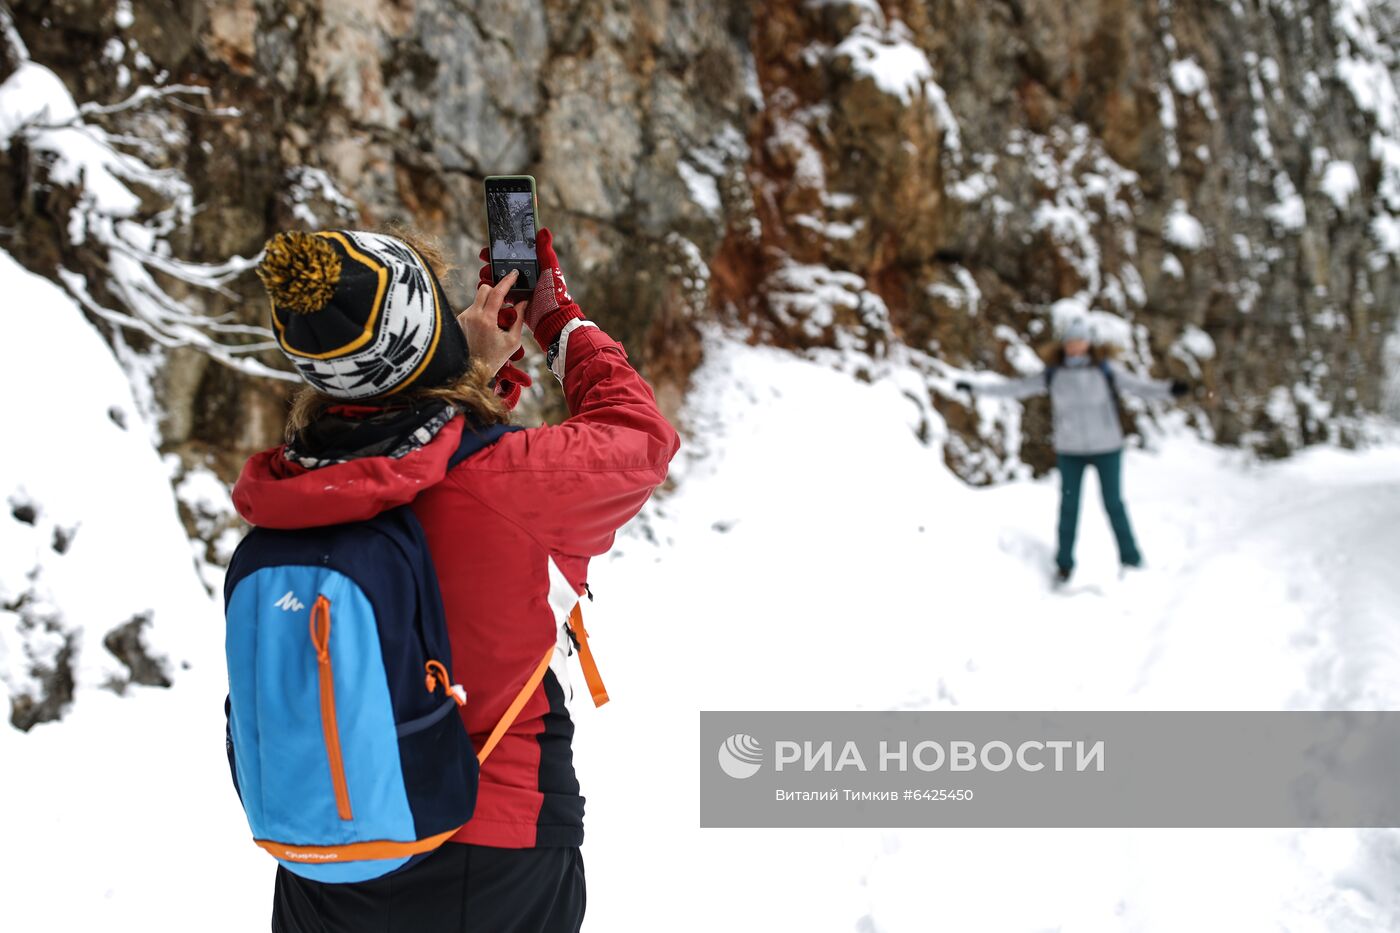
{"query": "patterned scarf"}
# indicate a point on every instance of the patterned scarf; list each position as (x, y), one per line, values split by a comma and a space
(349, 432)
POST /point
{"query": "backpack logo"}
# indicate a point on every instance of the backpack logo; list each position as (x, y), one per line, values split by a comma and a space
(290, 603)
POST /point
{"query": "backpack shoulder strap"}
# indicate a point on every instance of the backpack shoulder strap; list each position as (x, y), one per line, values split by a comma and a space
(475, 439)
(516, 705)
(596, 690)
(1108, 376)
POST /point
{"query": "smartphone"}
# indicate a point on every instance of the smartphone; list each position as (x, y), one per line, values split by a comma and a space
(512, 216)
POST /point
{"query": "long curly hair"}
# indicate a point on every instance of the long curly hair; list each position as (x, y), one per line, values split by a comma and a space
(471, 392)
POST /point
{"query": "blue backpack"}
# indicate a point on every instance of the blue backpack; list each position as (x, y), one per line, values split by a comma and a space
(344, 737)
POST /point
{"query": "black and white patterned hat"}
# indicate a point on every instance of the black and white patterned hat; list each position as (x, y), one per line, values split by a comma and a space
(360, 315)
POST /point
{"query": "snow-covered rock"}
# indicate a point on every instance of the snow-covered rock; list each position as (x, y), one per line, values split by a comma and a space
(90, 540)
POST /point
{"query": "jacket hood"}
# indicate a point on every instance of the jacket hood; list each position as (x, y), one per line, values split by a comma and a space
(273, 492)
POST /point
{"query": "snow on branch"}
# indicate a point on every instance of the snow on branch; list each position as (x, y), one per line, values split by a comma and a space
(169, 93)
(36, 107)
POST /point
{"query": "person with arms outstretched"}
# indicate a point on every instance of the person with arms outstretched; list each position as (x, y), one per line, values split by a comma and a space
(1084, 383)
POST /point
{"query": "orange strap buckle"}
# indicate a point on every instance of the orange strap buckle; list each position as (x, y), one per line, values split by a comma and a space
(591, 677)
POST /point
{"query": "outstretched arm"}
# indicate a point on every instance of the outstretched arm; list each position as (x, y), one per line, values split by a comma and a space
(1024, 387)
(1154, 390)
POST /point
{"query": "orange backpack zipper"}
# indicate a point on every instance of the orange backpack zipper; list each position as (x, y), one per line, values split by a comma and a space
(321, 639)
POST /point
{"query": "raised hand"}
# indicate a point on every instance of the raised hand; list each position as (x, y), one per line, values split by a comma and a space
(487, 340)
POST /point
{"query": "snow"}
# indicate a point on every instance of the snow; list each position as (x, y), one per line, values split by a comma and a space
(889, 58)
(962, 294)
(204, 494)
(1386, 231)
(811, 296)
(34, 101)
(899, 67)
(1365, 61)
(947, 121)
(37, 106)
(1269, 588)
(830, 229)
(1188, 78)
(973, 188)
(119, 794)
(1182, 230)
(33, 93)
(704, 192)
(1193, 347)
(1238, 611)
(306, 184)
(210, 507)
(790, 140)
(1190, 81)
(896, 585)
(1262, 138)
(1167, 114)
(1289, 212)
(92, 481)
(690, 270)
(1372, 87)
(1340, 183)
(1091, 192)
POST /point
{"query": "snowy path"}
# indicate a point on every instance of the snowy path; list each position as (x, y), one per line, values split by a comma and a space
(816, 556)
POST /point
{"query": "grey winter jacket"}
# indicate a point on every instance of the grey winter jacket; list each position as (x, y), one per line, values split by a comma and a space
(1085, 415)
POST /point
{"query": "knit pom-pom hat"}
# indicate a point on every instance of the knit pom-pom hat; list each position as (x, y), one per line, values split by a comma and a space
(360, 315)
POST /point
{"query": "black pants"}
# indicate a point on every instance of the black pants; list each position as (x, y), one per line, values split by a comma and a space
(459, 889)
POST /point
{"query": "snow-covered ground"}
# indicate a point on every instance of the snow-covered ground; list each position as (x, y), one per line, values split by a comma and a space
(89, 534)
(816, 556)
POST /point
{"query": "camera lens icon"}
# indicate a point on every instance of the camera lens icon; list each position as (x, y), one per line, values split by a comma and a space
(740, 756)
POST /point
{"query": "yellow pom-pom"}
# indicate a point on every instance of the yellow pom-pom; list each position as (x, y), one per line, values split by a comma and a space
(299, 271)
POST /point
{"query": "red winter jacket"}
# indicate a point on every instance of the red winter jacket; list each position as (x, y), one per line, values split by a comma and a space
(542, 498)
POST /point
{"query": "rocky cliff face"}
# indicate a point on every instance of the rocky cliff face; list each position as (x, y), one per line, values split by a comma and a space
(923, 184)
(368, 113)
(1219, 180)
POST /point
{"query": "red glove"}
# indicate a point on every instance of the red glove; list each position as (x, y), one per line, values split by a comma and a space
(551, 306)
(510, 380)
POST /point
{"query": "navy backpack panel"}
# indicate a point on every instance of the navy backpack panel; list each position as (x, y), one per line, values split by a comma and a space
(344, 737)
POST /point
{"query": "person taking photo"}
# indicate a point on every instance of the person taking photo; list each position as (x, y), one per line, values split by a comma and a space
(395, 381)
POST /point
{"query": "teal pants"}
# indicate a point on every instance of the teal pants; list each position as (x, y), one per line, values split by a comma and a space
(1110, 469)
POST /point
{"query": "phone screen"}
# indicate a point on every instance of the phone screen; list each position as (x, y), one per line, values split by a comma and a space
(511, 216)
